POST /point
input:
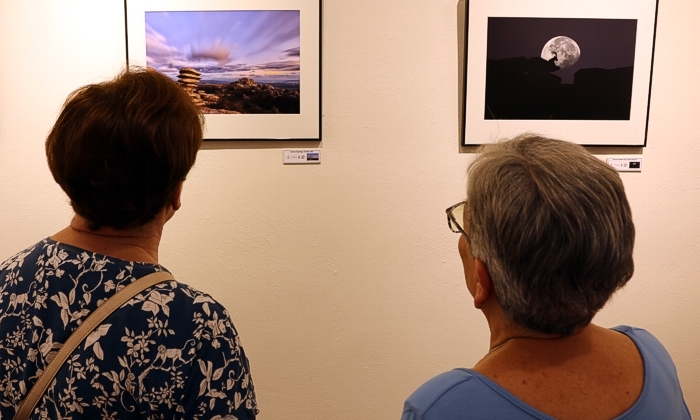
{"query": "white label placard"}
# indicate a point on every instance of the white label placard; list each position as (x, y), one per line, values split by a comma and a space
(302, 156)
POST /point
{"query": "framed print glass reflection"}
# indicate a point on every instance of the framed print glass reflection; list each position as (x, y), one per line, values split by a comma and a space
(254, 67)
(578, 70)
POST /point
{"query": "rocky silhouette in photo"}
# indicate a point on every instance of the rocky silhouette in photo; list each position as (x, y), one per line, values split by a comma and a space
(522, 88)
(245, 96)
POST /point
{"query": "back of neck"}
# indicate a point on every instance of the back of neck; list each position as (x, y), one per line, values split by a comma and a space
(136, 244)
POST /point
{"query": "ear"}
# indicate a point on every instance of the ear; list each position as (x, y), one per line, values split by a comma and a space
(484, 285)
(175, 201)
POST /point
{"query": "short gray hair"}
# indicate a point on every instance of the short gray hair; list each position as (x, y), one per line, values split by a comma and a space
(553, 225)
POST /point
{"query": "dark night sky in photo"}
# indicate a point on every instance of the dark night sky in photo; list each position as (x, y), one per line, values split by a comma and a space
(604, 43)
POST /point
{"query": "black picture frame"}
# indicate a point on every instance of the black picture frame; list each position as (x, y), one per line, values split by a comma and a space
(597, 95)
(261, 58)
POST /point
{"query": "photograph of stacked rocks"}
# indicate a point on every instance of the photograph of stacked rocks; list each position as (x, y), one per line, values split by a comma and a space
(189, 80)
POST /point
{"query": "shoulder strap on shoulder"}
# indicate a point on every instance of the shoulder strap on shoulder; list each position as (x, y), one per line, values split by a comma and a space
(91, 322)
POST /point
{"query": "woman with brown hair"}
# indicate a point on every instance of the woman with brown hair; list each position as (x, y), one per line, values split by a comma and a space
(121, 151)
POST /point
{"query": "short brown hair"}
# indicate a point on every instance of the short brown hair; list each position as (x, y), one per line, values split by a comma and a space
(120, 148)
(553, 225)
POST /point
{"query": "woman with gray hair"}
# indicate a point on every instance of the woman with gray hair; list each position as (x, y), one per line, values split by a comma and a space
(546, 238)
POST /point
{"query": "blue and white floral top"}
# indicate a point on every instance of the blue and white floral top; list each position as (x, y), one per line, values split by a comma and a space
(171, 352)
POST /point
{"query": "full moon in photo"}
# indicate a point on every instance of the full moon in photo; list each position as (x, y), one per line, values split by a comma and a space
(564, 48)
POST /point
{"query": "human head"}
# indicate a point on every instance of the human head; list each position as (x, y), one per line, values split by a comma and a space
(553, 226)
(121, 148)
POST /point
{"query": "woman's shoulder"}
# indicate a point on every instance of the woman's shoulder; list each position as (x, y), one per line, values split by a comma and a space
(181, 301)
(464, 393)
(436, 387)
(643, 339)
(662, 396)
(61, 284)
(17, 260)
(656, 359)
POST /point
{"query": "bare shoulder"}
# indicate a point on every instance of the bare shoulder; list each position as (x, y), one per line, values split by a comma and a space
(596, 374)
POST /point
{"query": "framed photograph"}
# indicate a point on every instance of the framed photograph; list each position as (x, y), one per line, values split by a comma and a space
(579, 70)
(254, 66)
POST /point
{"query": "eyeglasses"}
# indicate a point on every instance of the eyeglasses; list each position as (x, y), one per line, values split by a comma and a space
(455, 218)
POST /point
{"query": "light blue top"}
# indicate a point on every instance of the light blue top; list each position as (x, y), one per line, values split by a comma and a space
(465, 394)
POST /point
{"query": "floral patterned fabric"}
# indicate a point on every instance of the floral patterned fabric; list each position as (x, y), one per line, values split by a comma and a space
(171, 352)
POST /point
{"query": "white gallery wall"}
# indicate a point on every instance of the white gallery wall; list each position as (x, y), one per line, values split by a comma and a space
(343, 278)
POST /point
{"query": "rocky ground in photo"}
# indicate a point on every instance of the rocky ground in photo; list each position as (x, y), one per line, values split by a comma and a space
(245, 96)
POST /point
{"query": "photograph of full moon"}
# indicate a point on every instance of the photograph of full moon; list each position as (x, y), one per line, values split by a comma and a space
(559, 68)
(564, 50)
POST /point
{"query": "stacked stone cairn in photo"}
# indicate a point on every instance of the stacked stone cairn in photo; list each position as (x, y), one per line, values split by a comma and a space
(189, 80)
